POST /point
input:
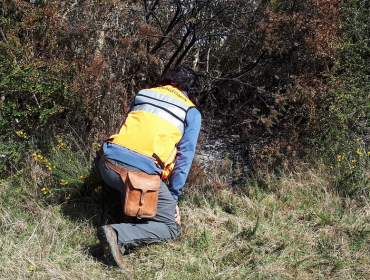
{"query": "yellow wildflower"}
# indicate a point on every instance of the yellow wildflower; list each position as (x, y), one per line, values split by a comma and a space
(22, 134)
(98, 190)
(63, 182)
(96, 145)
(359, 152)
(31, 268)
(45, 190)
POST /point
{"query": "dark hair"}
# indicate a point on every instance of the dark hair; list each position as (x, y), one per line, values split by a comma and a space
(181, 77)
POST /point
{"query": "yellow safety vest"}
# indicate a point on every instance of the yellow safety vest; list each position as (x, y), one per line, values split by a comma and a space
(155, 125)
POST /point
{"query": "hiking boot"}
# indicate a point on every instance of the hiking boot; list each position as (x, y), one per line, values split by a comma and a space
(108, 240)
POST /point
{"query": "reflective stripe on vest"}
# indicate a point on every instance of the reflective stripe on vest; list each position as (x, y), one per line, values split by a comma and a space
(155, 125)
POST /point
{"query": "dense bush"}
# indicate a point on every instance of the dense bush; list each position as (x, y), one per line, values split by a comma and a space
(275, 72)
(35, 86)
(342, 133)
(352, 72)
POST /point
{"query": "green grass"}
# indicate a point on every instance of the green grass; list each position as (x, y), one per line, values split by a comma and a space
(295, 227)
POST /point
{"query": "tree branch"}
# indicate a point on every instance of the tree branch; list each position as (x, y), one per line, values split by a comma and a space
(178, 50)
(148, 14)
(172, 24)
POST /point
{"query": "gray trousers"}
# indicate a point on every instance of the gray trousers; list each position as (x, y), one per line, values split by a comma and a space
(142, 231)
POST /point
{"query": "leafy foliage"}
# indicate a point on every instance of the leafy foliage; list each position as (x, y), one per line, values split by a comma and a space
(352, 104)
(35, 89)
(70, 175)
(342, 114)
(274, 72)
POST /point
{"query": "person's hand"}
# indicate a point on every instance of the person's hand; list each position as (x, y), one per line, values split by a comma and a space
(177, 216)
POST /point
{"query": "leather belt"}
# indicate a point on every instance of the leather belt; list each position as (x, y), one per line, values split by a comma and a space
(120, 170)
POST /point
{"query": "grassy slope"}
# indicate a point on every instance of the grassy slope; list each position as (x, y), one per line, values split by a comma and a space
(294, 227)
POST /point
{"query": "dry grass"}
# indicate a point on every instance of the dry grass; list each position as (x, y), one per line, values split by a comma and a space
(289, 227)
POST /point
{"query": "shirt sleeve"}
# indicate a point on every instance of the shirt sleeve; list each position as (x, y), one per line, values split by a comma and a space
(185, 152)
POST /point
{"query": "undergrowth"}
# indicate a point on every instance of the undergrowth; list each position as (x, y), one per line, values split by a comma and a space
(291, 226)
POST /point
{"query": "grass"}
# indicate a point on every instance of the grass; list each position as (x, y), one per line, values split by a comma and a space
(294, 226)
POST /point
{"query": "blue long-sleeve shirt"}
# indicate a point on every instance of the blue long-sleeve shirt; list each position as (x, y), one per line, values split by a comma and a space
(185, 154)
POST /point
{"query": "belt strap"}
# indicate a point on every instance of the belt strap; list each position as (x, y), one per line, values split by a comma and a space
(120, 170)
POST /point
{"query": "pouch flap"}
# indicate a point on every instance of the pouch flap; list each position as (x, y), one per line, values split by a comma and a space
(143, 181)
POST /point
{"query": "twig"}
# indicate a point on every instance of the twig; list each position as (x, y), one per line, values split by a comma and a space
(3, 35)
(6, 41)
(33, 233)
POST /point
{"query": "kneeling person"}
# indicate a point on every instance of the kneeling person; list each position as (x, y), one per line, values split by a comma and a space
(157, 137)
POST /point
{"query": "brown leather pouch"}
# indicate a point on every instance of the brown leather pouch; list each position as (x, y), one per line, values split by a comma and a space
(141, 191)
(141, 194)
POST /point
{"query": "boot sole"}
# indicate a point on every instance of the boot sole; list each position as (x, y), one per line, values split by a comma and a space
(108, 242)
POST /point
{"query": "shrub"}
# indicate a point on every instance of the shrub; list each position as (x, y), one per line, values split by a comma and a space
(351, 169)
(35, 88)
(345, 108)
(70, 171)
